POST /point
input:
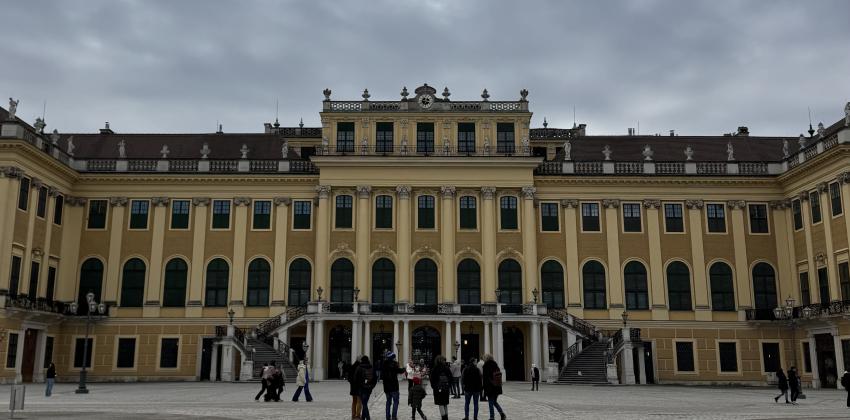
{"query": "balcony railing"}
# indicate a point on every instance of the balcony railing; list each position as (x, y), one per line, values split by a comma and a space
(39, 304)
(813, 311)
(429, 149)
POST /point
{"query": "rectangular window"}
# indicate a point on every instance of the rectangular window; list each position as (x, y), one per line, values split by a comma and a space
(425, 212)
(48, 351)
(345, 137)
(180, 214)
(97, 214)
(24, 194)
(384, 137)
(466, 137)
(468, 213)
(590, 217)
(302, 215)
(823, 285)
(383, 212)
(796, 208)
(684, 356)
(12, 351)
(673, 220)
(807, 358)
(728, 353)
(35, 268)
(425, 138)
(805, 291)
(631, 217)
(81, 352)
(770, 355)
(344, 204)
(549, 221)
(262, 214)
(168, 353)
(505, 138)
(51, 283)
(758, 218)
(221, 214)
(126, 353)
(15, 276)
(716, 214)
(139, 214)
(844, 280)
(58, 208)
(835, 198)
(814, 201)
(41, 204)
(508, 212)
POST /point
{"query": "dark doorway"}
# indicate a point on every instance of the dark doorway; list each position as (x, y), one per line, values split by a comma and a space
(426, 345)
(647, 362)
(555, 356)
(206, 358)
(825, 348)
(28, 363)
(339, 348)
(469, 347)
(514, 351)
(382, 342)
(297, 346)
(636, 354)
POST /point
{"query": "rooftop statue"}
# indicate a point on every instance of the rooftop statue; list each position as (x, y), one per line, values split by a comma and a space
(568, 148)
(801, 141)
(647, 152)
(244, 150)
(730, 152)
(164, 151)
(606, 151)
(54, 137)
(786, 148)
(284, 150)
(846, 114)
(205, 151)
(39, 125)
(71, 146)
(122, 149)
(689, 153)
(13, 108)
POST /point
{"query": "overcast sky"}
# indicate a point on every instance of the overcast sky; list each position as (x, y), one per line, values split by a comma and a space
(699, 67)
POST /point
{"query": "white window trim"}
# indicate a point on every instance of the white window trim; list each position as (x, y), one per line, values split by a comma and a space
(737, 342)
(436, 210)
(115, 367)
(761, 353)
(725, 218)
(353, 213)
(557, 216)
(105, 217)
(171, 215)
(518, 214)
(292, 224)
(664, 218)
(159, 352)
(73, 351)
(229, 215)
(581, 217)
(767, 212)
(130, 215)
(623, 218)
(271, 215)
(695, 352)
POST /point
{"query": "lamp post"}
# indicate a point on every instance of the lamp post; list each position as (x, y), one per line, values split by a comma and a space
(230, 315)
(93, 308)
(319, 291)
(356, 293)
(534, 293)
(625, 316)
(787, 313)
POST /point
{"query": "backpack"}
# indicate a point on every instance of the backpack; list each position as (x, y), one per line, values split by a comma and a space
(445, 382)
(496, 378)
(368, 376)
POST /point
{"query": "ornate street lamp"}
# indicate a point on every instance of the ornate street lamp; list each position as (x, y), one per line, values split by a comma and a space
(534, 293)
(625, 316)
(498, 295)
(230, 315)
(319, 290)
(787, 313)
(356, 293)
(96, 309)
(551, 352)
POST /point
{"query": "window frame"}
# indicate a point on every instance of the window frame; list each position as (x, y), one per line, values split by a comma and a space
(41, 202)
(465, 213)
(165, 284)
(797, 215)
(383, 136)
(723, 293)
(351, 210)
(516, 211)
(254, 215)
(433, 212)
(595, 290)
(159, 359)
(24, 187)
(843, 272)
(295, 205)
(218, 288)
(558, 295)
(711, 223)
(624, 218)
(132, 208)
(694, 356)
(73, 353)
(380, 285)
(814, 202)
(635, 292)
(805, 293)
(12, 349)
(680, 206)
(424, 144)
(300, 290)
(778, 343)
(679, 293)
(89, 205)
(464, 139)
(750, 207)
(720, 371)
(557, 217)
(116, 356)
(505, 145)
(385, 212)
(188, 214)
(346, 144)
(58, 209)
(596, 205)
(258, 289)
(15, 273)
(213, 214)
(833, 200)
(129, 290)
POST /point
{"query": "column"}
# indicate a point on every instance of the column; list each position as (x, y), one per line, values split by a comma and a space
(367, 338)
(839, 354)
(48, 239)
(214, 363)
(571, 236)
(406, 340)
(739, 242)
(701, 289)
(544, 326)
(813, 355)
(363, 233)
(154, 283)
(9, 184)
(319, 360)
(447, 340)
(529, 241)
(355, 341)
(844, 180)
(72, 228)
(240, 231)
(113, 262)
(321, 266)
(24, 282)
(487, 342)
(488, 244)
(447, 244)
(457, 339)
(535, 344)
(656, 264)
(309, 340)
(227, 362)
(814, 284)
(627, 363)
(19, 360)
(498, 348)
(280, 279)
(787, 267)
(831, 269)
(403, 285)
(197, 266)
(397, 339)
(612, 234)
(40, 344)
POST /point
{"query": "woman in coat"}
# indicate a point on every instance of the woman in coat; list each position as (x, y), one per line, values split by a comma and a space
(783, 386)
(472, 387)
(301, 381)
(492, 378)
(793, 384)
(354, 390)
(441, 383)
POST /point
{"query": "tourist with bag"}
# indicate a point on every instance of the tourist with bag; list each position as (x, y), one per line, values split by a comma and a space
(472, 388)
(492, 385)
(441, 383)
(365, 378)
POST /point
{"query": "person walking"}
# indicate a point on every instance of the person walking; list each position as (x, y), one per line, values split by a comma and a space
(472, 388)
(365, 378)
(279, 382)
(50, 378)
(492, 385)
(480, 365)
(264, 384)
(389, 378)
(456, 371)
(845, 382)
(415, 396)
(794, 384)
(409, 373)
(783, 385)
(307, 396)
(354, 390)
(535, 378)
(441, 383)
(302, 382)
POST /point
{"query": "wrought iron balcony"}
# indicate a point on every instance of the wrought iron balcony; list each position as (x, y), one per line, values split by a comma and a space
(23, 302)
(804, 312)
(430, 149)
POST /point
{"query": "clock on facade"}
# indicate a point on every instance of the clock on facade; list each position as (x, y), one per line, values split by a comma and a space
(425, 101)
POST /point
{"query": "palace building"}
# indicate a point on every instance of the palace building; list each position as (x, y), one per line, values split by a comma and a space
(424, 226)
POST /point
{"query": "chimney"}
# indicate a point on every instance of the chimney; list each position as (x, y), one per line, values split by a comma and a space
(743, 131)
(268, 127)
(672, 133)
(631, 131)
(220, 131)
(581, 129)
(106, 129)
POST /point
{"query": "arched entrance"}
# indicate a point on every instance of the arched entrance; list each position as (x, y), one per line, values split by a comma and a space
(339, 348)
(514, 351)
(426, 345)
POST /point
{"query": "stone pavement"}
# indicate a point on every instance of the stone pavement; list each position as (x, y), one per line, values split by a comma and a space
(176, 400)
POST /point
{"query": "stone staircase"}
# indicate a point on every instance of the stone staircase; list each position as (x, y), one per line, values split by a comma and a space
(588, 367)
(264, 353)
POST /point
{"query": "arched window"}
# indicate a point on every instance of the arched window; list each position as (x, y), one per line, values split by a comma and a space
(637, 294)
(722, 287)
(425, 282)
(510, 282)
(383, 285)
(259, 274)
(342, 281)
(300, 273)
(468, 283)
(91, 280)
(552, 280)
(679, 286)
(593, 280)
(218, 277)
(174, 287)
(133, 283)
(764, 286)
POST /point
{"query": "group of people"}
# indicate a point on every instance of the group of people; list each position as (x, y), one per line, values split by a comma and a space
(273, 383)
(792, 382)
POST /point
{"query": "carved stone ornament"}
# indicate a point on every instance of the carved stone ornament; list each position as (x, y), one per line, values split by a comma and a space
(327, 93)
(736, 204)
(821, 129)
(244, 151)
(780, 204)
(804, 196)
(448, 191)
(847, 115)
(241, 201)
(689, 153)
(569, 203)
(36, 183)
(820, 258)
(730, 152)
(342, 247)
(568, 148)
(282, 201)
(160, 201)
(205, 151)
(11, 172)
(384, 251)
(73, 201)
(606, 151)
(164, 151)
(403, 192)
(647, 152)
(363, 191)
(201, 201)
(844, 178)
(694, 204)
(651, 203)
(118, 201)
(611, 203)
(323, 190)
(528, 192)
(823, 187)
(523, 95)
(54, 137)
(488, 192)
(52, 191)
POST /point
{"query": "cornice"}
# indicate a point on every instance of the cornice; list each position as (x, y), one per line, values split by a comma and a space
(31, 151)
(234, 178)
(654, 180)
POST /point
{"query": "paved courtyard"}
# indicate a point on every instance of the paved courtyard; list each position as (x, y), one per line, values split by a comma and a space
(232, 401)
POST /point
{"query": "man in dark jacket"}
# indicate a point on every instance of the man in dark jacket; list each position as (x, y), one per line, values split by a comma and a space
(365, 379)
(389, 377)
(50, 378)
(794, 384)
(441, 383)
(783, 385)
(492, 384)
(845, 382)
(354, 390)
(472, 387)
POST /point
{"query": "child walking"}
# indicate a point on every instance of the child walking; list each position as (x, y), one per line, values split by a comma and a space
(415, 396)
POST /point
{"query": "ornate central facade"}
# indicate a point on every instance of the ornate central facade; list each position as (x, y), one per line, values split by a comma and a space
(425, 226)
